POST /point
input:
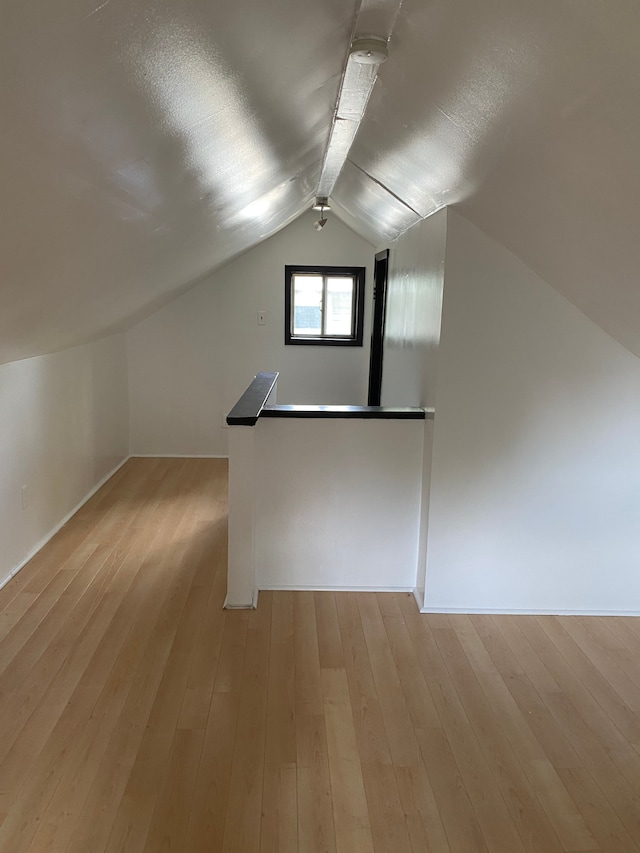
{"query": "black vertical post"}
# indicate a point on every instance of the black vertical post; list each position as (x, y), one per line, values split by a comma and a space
(377, 326)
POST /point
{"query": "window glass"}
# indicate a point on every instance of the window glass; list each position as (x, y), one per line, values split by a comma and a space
(324, 305)
(307, 304)
(340, 307)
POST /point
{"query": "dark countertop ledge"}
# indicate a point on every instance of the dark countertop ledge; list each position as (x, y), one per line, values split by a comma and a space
(248, 408)
(253, 405)
(362, 412)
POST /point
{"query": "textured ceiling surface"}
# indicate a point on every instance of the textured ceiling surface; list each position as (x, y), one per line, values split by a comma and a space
(145, 142)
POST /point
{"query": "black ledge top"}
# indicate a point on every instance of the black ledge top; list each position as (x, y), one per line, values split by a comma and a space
(253, 405)
(365, 412)
(248, 408)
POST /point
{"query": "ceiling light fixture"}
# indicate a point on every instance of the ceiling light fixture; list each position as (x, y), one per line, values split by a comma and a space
(365, 56)
(321, 205)
(370, 50)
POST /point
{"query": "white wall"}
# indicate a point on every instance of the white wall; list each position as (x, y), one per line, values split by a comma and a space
(190, 361)
(414, 310)
(324, 504)
(63, 428)
(412, 339)
(535, 489)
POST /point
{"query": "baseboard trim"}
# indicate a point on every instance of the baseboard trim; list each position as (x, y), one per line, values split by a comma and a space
(329, 588)
(252, 606)
(506, 611)
(62, 523)
(179, 456)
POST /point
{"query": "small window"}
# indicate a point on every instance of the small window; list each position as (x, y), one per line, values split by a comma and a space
(324, 305)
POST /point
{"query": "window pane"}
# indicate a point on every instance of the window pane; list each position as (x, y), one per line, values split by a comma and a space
(307, 305)
(339, 320)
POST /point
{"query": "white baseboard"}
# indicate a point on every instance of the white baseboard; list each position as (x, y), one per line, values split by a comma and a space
(179, 456)
(498, 611)
(323, 588)
(252, 606)
(61, 524)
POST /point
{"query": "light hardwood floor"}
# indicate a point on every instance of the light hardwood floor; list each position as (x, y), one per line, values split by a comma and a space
(136, 715)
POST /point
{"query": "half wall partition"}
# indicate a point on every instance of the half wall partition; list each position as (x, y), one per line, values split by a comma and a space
(322, 497)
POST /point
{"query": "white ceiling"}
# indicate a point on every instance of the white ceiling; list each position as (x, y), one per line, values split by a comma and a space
(145, 142)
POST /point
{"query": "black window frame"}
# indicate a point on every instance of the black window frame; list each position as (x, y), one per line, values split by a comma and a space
(358, 275)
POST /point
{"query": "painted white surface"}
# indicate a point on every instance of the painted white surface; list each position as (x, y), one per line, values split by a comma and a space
(412, 339)
(176, 366)
(242, 586)
(241, 562)
(144, 144)
(337, 503)
(414, 311)
(425, 502)
(190, 361)
(63, 429)
(147, 145)
(535, 488)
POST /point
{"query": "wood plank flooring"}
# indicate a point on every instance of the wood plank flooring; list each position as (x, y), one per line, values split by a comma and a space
(138, 716)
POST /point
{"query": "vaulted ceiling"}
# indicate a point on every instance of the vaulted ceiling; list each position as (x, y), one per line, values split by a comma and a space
(143, 143)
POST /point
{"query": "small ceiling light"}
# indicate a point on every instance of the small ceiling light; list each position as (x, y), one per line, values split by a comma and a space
(369, 50)
(321, 206)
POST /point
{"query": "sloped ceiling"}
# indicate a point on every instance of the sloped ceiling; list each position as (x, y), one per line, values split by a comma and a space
(145, 142)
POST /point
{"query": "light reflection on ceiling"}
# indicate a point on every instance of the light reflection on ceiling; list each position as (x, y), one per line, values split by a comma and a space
(205, 106)
(146, 142)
